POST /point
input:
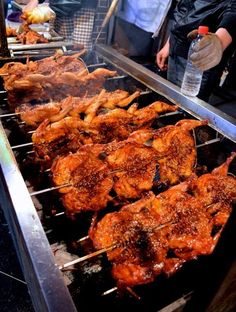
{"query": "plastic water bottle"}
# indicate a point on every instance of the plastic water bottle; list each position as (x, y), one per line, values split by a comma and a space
(193, 76)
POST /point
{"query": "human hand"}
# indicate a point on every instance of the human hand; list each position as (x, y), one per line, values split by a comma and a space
(207, 52)
(31, 5)
(162, 56)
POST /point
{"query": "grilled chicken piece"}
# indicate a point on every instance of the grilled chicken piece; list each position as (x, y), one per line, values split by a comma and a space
(118, 123)
(89, 178)
(120, 99)
(34, 114)
(29, 36)
(176, 150)
(45, 66)
(115, 125)
(134, 169)
(158, 234)
(58, 138)
(131, 168)
(56, 86)
(53, 78)
(11, 32)
(146, 116)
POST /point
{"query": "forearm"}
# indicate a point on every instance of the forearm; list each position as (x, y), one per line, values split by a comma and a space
(224, 36)
(167, 44)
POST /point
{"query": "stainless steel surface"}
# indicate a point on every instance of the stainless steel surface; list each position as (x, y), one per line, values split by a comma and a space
(39, 46)
(220, 121)
(44, 280)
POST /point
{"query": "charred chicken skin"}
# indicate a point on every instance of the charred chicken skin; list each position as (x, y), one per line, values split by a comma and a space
(115, 125)
(55, 86)
(89, 181)
(29, 36)
(52, 78)
(33, 115)
(157, 234)
(132, 165)
(176, 150)
(59, 138)
(131, 168)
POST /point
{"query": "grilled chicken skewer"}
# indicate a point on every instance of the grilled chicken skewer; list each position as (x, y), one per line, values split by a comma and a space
(55, 111)
(133, 166)
(70, 133)
(197, 211)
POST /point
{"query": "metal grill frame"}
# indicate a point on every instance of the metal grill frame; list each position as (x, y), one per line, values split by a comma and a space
(45, 281)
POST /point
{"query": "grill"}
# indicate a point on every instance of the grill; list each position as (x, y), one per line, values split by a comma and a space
(48, 243)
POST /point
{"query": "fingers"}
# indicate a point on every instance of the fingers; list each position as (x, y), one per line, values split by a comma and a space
(193, 34)
(161, 61)
(203, 43)
(207, 63)
(206, 58)
(207, 52)
(201, 54)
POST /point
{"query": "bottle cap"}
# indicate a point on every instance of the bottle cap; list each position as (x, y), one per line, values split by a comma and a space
(203, 30)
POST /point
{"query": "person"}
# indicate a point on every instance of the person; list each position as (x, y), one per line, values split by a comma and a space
(137, 23)
(211, 53)
(75, 24)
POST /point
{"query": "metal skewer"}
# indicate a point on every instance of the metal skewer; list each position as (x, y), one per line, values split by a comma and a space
(109, 291)
(83, 239)
(170, 114)
(117, 77)
(209, 142)
(104, 250)
(84, 258)
(50, 189)
(96, 65)
(13, 277)
(9, 115)
(61, 186)
(22, 145)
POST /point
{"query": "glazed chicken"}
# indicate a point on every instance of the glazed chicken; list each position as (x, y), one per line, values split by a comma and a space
(45, 66)
(115, 125)
(30, 36)
(55, 86)
(134, 167)
(130, 167)
(59, 138)
(51, 79)
(157, 234)
(89, 179)
(11, 32)
(33, 115)
(176, 150)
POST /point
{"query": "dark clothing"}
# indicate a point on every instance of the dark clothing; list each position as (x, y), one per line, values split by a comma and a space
(134, 41)
(69, 7)
(188, 15)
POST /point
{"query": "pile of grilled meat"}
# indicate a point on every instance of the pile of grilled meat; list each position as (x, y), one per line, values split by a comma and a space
(102, 148)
